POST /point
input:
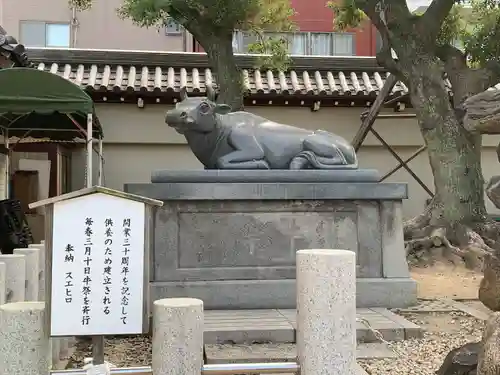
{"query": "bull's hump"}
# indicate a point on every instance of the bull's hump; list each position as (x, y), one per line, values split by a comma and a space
(275, 126)
(245, 119)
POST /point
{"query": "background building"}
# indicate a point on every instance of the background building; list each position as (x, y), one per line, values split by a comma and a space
(52, 23)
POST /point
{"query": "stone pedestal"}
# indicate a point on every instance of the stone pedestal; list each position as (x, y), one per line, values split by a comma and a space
(326, 312)
(177, 336)
(15, 279)
(229, 238)
(41, 269)
(24, 343)
(3, 283)
(32, 272)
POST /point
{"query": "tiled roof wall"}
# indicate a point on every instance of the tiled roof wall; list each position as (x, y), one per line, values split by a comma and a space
(156, 79)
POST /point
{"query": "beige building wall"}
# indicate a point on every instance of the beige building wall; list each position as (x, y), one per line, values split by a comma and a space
(98, 28)
(137, 141)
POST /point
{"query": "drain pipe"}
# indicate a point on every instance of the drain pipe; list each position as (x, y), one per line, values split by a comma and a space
(74, 27)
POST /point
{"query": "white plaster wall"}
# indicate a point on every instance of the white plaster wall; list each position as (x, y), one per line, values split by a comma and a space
(137, 141)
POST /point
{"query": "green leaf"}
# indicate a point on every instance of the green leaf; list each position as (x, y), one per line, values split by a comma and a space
(346, 14)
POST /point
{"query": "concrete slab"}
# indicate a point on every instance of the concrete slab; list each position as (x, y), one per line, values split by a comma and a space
(479, 311)
(263, 353)
(411, 330)
(216, 353)
(358, 370)
(247, 326)
(390, 330)
(374, 351)
(428, 306)
(278, 326)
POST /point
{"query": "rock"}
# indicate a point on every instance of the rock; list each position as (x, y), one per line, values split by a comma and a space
(489, 288)
(493, 190)
(461, 361)
(489, 358)
(483, 112)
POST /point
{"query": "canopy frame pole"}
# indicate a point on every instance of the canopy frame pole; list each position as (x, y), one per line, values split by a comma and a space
(101, 162)
(89, 150)
(7, 163)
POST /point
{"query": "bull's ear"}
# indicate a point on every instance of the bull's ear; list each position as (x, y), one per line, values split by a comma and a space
(222, 109)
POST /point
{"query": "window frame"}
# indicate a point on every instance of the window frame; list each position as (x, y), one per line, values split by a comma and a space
(46, 25)
(167, 27)
(239, 41)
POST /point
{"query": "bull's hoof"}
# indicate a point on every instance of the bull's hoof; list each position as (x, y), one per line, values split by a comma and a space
(298, 162)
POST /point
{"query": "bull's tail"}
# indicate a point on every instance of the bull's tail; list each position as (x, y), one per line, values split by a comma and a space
(318, 162)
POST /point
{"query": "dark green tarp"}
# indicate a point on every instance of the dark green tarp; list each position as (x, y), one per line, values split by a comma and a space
(38, 100)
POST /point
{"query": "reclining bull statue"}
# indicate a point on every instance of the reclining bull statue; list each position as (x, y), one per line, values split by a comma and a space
(222, 139)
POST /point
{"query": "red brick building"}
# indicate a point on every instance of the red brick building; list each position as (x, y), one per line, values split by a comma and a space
(316, 36)
(313, 16)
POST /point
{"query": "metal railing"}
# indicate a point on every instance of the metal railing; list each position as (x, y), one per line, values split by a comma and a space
(215, 369)
(251, 368)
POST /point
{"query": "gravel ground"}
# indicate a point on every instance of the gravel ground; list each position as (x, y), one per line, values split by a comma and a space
(444, 332)
(126, 351)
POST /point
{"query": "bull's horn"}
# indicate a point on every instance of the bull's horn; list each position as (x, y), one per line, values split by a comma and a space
(211, 95)
(184, 94)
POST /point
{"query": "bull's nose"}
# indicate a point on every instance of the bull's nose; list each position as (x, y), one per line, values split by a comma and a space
(170, 118)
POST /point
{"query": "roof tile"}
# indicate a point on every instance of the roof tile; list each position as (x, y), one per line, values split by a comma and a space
(157, 80)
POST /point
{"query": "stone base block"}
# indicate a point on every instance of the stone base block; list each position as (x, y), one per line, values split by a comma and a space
(230, 238)
(280, 294)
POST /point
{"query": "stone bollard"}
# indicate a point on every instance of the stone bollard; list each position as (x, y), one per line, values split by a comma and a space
(326, 312)
(55, 350)
(32, 271)
(177, 336)
(64, 348)
(3, 282)
(15, 277)
(41, 270)
(24, 343)
(60, 346)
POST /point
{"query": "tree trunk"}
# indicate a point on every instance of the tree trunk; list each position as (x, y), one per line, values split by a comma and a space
(220, 54)
(454, 153)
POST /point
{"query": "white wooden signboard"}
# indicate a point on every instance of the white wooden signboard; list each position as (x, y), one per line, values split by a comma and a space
(97, 266)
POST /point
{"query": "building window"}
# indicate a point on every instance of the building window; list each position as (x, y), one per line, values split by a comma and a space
(172, 27)
(45, 34)
(305, 43)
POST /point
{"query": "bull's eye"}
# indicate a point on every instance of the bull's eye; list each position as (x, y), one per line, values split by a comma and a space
(204, 108)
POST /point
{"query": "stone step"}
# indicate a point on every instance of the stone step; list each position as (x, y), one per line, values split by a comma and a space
(358, 370)
(278, 326)
(263, 353)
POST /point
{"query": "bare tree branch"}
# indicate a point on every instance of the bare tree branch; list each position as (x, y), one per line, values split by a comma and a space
(393, 10)
(382, 18)
(396, 11)
(455, 65)
(434, 16)
(465, 82)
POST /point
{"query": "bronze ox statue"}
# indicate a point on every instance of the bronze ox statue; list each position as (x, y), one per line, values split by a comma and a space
(222, 139)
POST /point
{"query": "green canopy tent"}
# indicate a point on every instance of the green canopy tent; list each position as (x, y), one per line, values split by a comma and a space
(44, 105)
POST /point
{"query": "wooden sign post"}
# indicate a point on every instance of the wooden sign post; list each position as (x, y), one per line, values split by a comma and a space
(98, 247)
